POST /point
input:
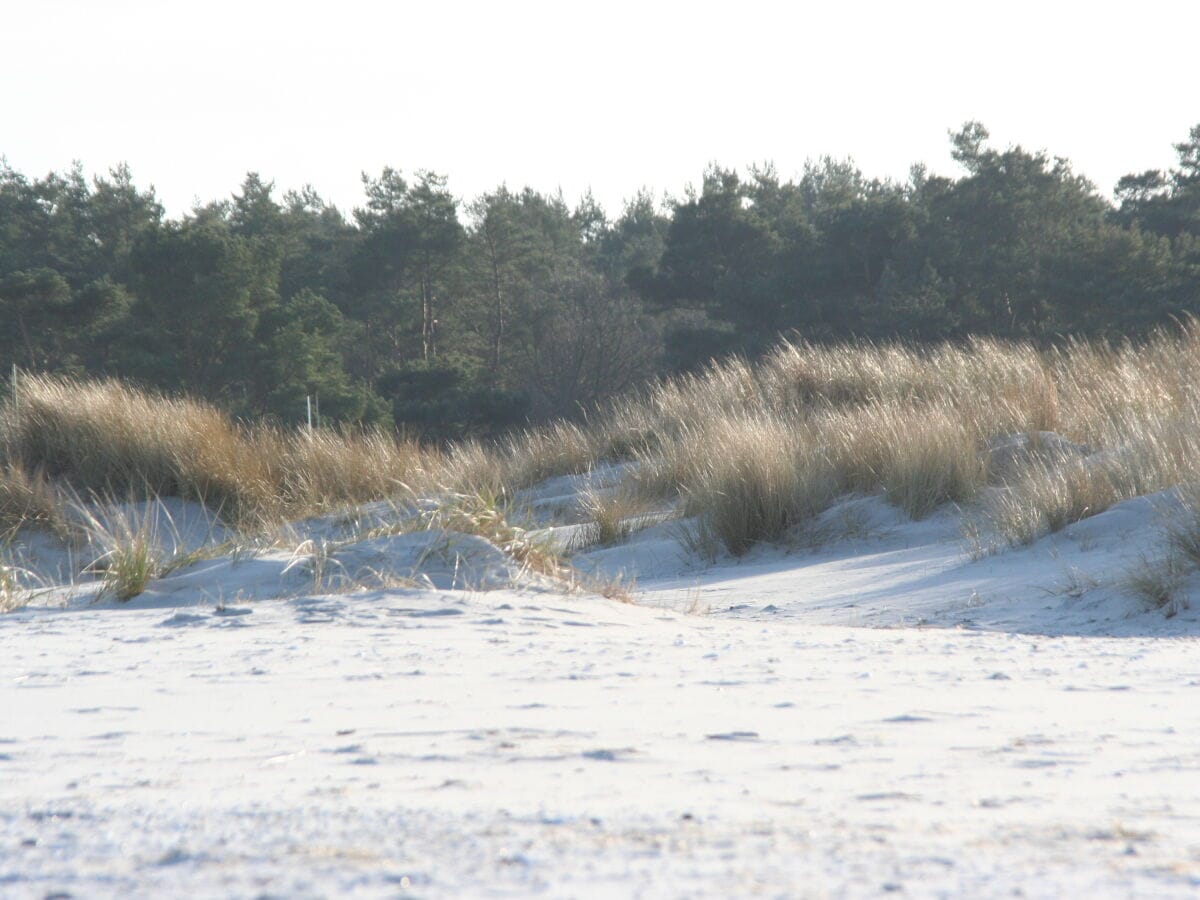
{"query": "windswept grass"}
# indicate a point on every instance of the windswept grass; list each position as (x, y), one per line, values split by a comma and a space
(488, 516)
(1157, 583)
(613, 514)
(1048, 496)
(30, 499)
(758, 478)
(17, 584)
(1143, 454)
(931, 462)
(316, 471)
(752, 450)
(920, 456)
(109, 439)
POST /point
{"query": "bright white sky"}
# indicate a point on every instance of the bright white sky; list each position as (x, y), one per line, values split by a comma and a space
(614, 96)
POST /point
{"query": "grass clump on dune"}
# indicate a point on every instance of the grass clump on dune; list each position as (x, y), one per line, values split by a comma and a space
(1048, 496)
(128, 566)
(109, 439)
(129, 542)
(758, 478)
(29, 499)
(15, 590)
(934, 462)
(751, 449)
(920, 456)
(1157, 583)
(488, 517)
(614, 514)
(1144, 454)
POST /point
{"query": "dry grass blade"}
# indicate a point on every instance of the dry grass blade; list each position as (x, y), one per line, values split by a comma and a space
(754, 448)
(1157, 583)
(30, 500)
(129, 542)
(760, 478)
(18, 586)
(487, 516)
(614, 514)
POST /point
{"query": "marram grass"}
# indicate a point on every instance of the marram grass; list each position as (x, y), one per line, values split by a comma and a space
(752, 450)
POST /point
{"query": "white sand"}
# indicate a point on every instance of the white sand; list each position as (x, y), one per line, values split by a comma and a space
(1013, 724)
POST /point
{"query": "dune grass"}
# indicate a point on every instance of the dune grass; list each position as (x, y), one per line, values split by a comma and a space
(30, 499)
(613, 514)
(18, 584)
(488, 516)
(109, 439)
(758, 478)
(751, 451)
(131, 544)
(1157, 583)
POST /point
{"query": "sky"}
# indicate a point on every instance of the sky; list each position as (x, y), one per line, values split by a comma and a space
(612, 97)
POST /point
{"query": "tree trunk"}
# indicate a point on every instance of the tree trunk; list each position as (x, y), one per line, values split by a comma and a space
(498, 331)
(428, 345)
(33, 365)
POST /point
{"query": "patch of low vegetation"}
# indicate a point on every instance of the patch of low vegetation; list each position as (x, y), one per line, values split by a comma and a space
(317, 558)
(613, 514)
(17, 586)
(490, 517)
(1158, 583)
(129, 552)
(1075, 583)
(750, 452)
(759, 478)
(29, 499)
(128, 567)
(109, 439)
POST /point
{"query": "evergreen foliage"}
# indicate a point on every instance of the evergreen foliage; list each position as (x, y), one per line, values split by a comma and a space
(462, 318)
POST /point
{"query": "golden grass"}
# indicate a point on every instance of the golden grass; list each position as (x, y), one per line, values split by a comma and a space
(757, 478)
(1142, 454)
(914, 424)
(560, 448)
(1157, 583)
(1047, 497)
(932, 461)
(321, 470)
(15, 592)
(30, 499)
(753, 449)
(488, 517)
(109, 439)
(613, 515)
